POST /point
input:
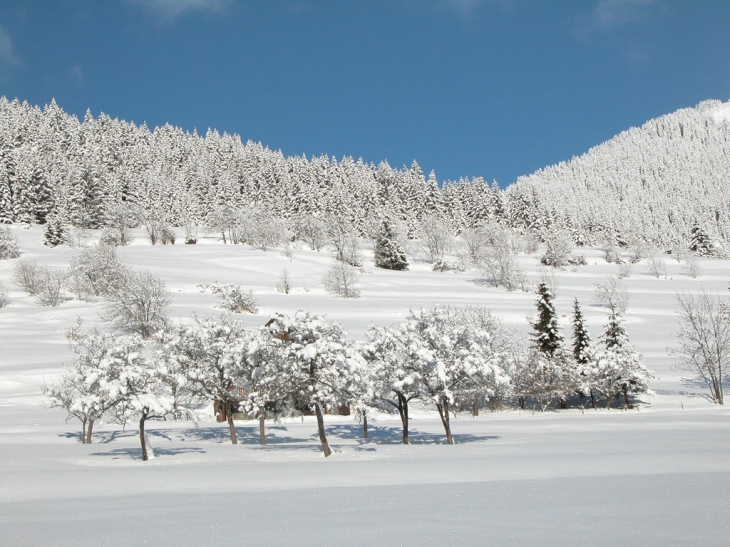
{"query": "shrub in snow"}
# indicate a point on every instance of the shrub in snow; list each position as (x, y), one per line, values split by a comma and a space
(704, 340)
(342, 237)
(139, 304)
(284, 284)
(341, 280)
(559, 246)
(233, 298)
(312, 230)
(612, 294)
(442, 265)
(8, 244)
(27, 274)
(692, 267)
(657, 267)
(52, 283)
(3, 296)
(499, 266)
(97, 272)
(436, 237)
(624, 270)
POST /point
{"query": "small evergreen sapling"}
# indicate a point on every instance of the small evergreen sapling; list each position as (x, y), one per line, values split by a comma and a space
(389, 254)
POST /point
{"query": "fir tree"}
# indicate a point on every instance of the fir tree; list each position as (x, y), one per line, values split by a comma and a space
(582, 351)
(53, 234)
(388, 253)
(548, 338)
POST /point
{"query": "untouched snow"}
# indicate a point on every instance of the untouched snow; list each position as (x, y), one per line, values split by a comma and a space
(659, 475)
(722, 112)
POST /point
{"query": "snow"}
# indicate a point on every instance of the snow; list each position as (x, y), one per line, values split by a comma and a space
(721, 113)
(655, 475)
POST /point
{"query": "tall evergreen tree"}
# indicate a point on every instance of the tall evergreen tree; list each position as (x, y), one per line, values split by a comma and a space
(582, 350)
(548, 338)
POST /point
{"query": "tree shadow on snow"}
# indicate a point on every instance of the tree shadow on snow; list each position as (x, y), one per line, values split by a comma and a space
(136, 453)
(394, 435)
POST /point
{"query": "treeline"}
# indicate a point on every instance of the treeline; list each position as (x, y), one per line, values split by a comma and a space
(653, 184)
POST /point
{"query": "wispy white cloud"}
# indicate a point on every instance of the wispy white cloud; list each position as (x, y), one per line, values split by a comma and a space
(8, 56)
(170, 9)
(78, 74)
(612, 13)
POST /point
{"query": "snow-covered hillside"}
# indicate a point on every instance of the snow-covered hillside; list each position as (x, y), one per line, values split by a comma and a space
(655, 475)
(655, 182)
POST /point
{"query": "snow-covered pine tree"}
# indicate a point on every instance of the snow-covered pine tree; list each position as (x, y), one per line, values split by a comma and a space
(582, 350)
(548, 337)
(388, 252)
(53, 233)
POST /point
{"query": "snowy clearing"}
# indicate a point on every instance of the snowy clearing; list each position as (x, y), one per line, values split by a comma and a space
(655, 475)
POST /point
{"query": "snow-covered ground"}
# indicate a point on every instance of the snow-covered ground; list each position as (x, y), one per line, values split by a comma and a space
(655, 475)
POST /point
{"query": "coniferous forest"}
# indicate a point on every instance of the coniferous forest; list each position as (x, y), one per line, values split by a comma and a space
(665, 183)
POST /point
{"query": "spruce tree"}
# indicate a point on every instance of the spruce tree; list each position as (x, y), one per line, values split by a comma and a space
(388, 253)
(582, 351)
(53, 234)
(548, 338)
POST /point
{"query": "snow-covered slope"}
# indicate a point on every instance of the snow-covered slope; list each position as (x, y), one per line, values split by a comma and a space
(651, 476)
(655, 182)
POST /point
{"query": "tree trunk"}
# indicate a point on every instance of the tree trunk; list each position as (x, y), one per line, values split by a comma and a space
(403, 411)
(626, 398)
(475, 408)
(320, 427)
(89, 431)
(443, 409)
(231, 427)
(364, 424)
(262, 428)
(142, 440)
(593, 399)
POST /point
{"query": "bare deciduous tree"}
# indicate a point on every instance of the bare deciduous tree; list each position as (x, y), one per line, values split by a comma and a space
(341, 280)
(704, 340)
(140, 303)
(612, 294)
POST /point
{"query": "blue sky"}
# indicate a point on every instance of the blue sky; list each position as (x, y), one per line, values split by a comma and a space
(492, 88)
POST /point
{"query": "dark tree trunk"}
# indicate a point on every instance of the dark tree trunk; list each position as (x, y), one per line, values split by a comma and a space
(262, 428)
(403, 411)
(475, 408)
(364, 424)
(320, 427)
(89, 431)
(443, 408)
(626, 398)
(231, 427)
(593, 399)
(142, 440)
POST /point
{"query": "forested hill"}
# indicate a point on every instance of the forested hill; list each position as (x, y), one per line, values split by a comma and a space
(653, 183)
(657, 182)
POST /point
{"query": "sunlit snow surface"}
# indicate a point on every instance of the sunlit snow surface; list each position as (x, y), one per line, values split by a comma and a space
(659, 475)
(722, 112)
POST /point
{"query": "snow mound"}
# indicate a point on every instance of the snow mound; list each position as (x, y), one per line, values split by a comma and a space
(722, 112)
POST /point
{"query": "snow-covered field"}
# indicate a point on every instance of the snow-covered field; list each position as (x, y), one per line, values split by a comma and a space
(655, 475)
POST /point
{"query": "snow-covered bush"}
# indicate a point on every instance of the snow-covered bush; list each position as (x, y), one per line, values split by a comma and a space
(498, 265)
(341, 280)
(97, 272)
(559, 246)
(436, 237)
(343, 239)
(656, 266)
(52, 283)
(233, 298)
(612, 294)
(8, 244)
(3, 296)
(139, 304)
(26, 273)
(692, 266)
